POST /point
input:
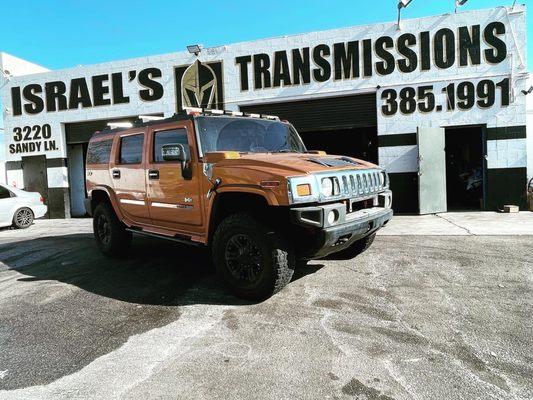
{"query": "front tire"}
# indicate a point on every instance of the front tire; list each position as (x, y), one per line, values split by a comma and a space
(23, 218)
(356, 248)
(253, 260)
(111, 235)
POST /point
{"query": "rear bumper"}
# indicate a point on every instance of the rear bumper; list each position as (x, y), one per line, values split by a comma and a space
(39, 211)
(329, 237)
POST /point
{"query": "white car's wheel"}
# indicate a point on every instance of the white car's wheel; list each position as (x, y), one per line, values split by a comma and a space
(23, 218)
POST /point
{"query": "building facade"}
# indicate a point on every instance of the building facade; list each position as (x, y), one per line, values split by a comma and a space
(440, 103)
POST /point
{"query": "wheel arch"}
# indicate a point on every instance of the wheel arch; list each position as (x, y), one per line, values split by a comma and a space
(230, 202)
(101, 194)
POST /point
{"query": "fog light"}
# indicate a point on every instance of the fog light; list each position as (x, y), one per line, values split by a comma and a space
(333, 216)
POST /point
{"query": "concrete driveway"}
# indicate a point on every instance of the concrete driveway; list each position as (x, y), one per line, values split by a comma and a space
(415, 317)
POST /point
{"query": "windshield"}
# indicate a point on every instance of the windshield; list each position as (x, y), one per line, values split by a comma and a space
(247, 135)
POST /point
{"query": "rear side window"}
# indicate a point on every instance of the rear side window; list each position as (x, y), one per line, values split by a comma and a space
(4, 193)
(131, 149)
(174, 136)
(99, 152)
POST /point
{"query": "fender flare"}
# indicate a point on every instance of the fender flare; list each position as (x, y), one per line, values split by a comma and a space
(111, 196)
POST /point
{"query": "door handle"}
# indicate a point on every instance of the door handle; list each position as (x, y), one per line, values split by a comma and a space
(116, 174)
(153, 174)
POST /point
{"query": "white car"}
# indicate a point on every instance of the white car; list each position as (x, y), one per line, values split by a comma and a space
(19, 208)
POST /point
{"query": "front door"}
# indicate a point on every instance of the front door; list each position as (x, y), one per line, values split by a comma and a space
(431, 170)
(35, 177)
(175, 200)
(129, 177)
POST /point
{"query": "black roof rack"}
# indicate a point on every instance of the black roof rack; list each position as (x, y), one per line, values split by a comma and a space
(188, 113)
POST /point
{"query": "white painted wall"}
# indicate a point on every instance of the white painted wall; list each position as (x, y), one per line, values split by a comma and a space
(529, 139)
(11, 66)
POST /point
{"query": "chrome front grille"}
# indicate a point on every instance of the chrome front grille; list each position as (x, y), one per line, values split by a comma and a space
(356, 183)
(346, 184)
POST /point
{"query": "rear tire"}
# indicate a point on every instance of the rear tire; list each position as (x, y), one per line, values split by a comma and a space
(111, 235)
(358, 247)
(23, 218)
(254, 261)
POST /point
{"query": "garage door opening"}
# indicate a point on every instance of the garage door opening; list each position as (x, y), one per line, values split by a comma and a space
(357, 142)
(345, 125)
(464, 169)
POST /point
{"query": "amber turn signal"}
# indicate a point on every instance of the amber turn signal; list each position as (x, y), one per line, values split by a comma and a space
(303, 190)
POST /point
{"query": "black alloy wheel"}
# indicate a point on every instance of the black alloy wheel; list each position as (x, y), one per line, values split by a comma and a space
(243, 258)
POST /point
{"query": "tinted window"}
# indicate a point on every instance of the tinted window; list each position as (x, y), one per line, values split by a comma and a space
(248, 135)
(131, 149)
(175, 136)
(4, 193)
(99, 152)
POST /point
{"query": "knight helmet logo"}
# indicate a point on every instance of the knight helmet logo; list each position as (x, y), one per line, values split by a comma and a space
(199, 85)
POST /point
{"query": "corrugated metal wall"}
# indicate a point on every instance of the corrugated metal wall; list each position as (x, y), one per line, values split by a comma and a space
(330, 113)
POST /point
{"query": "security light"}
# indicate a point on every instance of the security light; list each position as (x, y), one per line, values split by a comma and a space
(459, 3)
(195, 49)
(402, 4)
(529, 91)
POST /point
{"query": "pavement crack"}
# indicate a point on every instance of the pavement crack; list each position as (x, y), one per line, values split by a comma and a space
(454, 224)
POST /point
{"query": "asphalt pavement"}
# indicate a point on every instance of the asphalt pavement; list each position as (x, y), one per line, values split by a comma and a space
(415, 317)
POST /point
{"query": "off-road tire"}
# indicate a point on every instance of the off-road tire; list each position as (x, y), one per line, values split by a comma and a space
(23, 218)
(277, 257)
(116, 239)
(354, 250)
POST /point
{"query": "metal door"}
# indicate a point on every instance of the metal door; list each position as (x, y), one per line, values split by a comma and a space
(35, 177)
(175, 201)
(431, 170)
(128, 173)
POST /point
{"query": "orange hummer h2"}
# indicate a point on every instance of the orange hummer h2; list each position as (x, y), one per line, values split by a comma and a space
(243, 185)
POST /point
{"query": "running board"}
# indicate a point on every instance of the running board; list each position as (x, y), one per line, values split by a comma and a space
(173, 239)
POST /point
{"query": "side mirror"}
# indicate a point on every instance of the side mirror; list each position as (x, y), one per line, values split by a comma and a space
(177, 152)
(174, 152)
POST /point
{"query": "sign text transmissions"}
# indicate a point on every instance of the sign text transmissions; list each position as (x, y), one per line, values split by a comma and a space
(464, 46)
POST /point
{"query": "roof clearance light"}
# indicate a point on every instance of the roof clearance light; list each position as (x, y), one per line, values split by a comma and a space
(193, 110)
(114, 125)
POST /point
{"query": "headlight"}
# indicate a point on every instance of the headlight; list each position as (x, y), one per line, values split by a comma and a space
(327, 187)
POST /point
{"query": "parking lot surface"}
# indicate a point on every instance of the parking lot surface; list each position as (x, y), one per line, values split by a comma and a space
(415, 317)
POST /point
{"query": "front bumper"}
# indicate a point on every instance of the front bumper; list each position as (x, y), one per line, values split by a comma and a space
(332, 236)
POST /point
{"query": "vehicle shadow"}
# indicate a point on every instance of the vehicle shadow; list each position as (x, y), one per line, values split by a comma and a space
(154, 272)
(48, 329)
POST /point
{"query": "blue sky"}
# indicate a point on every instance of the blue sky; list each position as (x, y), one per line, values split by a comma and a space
(59, 34)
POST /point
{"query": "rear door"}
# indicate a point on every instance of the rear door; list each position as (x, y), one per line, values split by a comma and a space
(128, 171)
(431, 170)
(175, 202)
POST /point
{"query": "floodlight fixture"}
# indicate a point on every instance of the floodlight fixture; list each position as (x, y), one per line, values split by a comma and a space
(402, 4)
(195, 49)
(459, 3)
(529, 91)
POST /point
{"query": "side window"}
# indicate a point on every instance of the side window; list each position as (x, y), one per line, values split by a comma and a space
(99, 152)
(173, 136)
(131, 149)
(4, 193)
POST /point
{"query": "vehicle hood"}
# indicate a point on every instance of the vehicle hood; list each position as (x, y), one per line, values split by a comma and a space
(294, 164)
